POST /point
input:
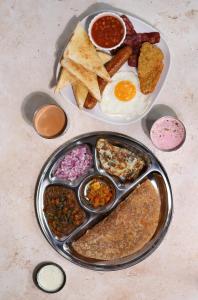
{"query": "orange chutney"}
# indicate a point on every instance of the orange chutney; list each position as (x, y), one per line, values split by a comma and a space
(99, 193)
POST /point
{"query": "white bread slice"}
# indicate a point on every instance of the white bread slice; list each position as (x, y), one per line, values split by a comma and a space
(79, 89)
(105, 57)
(80, 92)
(88, 78)
(65, 78)
(82, 51)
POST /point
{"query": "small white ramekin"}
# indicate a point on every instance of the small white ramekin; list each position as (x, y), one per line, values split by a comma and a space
(98, 17)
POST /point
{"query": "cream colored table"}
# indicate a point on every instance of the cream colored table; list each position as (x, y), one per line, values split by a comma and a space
(31, 34)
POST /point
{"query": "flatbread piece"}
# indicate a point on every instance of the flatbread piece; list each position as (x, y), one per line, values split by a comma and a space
(119, 161)
(126, 230)
(64, 78)
(88, 78)
(80, 92)
(82, 51)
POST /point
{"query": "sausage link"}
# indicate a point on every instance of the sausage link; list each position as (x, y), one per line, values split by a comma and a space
(112, 67)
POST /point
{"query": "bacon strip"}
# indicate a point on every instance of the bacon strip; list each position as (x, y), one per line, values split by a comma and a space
(139, 38)
(129, 26)
(135, 40)
(133, 59)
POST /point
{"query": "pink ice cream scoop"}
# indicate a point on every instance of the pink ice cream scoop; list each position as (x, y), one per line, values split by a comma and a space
(168, 133)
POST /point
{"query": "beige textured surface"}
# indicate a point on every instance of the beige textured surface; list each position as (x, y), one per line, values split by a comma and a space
(29, 35)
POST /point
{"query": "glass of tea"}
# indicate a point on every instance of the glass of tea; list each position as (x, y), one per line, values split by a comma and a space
(50, 121)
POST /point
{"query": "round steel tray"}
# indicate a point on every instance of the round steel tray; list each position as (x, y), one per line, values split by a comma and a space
(154, 172)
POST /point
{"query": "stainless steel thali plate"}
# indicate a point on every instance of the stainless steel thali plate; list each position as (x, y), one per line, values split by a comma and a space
(153, 171)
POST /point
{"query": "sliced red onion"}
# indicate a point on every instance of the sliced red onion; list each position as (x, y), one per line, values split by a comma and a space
(75, 163)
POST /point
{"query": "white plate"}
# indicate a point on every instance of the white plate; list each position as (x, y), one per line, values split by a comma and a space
(140, 26)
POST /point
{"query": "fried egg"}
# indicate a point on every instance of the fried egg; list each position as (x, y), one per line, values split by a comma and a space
(122, 96)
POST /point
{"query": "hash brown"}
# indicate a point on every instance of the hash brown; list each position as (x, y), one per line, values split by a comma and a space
(150, 66)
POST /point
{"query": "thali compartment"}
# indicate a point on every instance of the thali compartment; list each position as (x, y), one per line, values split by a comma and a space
(58, 172)
(62, 212)
(122, 183)
(94, 180)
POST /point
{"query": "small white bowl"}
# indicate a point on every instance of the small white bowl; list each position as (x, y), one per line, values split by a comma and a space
(98, 17)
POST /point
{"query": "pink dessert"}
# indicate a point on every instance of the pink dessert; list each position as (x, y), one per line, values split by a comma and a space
(168, 133)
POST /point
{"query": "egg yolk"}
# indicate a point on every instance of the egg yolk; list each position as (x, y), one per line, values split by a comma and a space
(125, 90)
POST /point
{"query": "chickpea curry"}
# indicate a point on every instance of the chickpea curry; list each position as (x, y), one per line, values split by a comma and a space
(62, 210)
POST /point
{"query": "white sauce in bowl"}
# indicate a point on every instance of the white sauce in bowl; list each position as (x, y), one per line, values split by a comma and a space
(50, 278)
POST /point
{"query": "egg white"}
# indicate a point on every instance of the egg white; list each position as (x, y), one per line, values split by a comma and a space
(112, 106)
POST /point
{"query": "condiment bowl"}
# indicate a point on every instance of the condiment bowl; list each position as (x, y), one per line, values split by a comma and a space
(98, 16)
(39, 267)
(171, 131)
(85, 202)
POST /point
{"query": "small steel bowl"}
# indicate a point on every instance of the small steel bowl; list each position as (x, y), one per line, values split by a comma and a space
(35, 278)
(83, 198)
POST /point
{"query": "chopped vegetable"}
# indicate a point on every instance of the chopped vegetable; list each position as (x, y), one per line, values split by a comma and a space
(62, 210)
(99, 193)
(75, 163)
